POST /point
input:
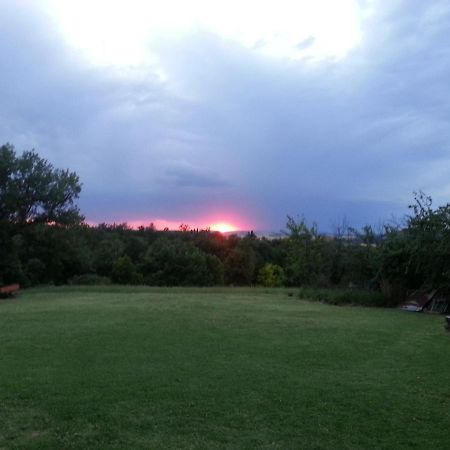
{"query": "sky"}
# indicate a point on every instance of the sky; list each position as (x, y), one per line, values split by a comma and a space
(239, 113)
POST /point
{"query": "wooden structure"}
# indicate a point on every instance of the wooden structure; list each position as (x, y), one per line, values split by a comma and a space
(418, 301)
(439, 305)
(437, 302)
(9, 291)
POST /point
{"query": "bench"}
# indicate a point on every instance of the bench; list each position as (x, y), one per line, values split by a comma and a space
(9, 291)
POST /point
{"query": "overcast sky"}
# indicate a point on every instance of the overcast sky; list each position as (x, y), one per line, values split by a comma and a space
(241, 112)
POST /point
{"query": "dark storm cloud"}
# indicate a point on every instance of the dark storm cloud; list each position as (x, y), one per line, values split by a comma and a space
(184, 175)
(231, 128)
(119, 133)
(357, 136)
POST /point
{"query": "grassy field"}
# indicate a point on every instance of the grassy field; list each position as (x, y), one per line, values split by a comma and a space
(141, 368)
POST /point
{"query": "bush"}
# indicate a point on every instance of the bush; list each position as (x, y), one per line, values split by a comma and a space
(35, 268)
(240, 265)
(271, 275)
(90, 279)
(178, 263)
(344, 296)
(124, 272)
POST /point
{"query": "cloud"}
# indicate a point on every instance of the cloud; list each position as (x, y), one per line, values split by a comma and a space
(228, 128)
(183, 174)
(306, 43)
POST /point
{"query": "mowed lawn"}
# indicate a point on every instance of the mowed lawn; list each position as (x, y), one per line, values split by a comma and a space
(143, 368)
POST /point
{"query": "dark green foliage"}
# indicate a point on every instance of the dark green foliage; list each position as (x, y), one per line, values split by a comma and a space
(428, 231)
(35, 269)
(42, 254)
(355, 297)
(89, 279)
(135, 248)
(107, 251)
(34, 194)
(43, 242)
(11, 261)
(215, 271)
(124, 271)
(417, 255)
(394, 272)
(306, 262)
(32, 190)
(174, 262)
(271, 275)
(240, 265)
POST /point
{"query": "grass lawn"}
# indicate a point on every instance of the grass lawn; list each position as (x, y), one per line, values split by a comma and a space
(143, 368)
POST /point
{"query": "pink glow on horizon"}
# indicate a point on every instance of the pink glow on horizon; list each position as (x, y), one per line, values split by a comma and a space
(223, 227)
(217, 223)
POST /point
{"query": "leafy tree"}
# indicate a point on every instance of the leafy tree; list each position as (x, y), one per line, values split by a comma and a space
(107, 251)
(240, 266)
(271, 275)
(305, 261)
(32, 190)
(175, 262)
(35, 268)
(417, 255)
(124, 271)
(135, 248)
(428, 234)
(215, 271)
(394, 272)
(11, 267)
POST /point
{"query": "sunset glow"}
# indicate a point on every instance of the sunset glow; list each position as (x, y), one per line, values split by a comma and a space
(175, 225)
(223, 227)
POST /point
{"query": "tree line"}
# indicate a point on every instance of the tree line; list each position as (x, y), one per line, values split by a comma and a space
(44, 240)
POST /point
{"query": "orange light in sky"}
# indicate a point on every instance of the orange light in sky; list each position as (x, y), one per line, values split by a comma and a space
(223, 227)
(233, 224)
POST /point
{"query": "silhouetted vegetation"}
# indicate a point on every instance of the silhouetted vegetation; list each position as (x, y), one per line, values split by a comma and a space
(44, 241)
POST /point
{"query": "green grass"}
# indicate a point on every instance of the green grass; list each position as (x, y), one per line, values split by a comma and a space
(142, 368)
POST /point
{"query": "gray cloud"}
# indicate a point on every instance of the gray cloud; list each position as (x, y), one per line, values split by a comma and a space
(232, 129)
(307, 43)
(184, 174)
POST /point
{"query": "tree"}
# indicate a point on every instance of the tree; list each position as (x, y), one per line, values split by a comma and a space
(106, 252)
(417, 255)
(174, 262)
(124, 271)
(33, 191)
(305, 263)
(240, 265)
(428, 232)
(271, 275)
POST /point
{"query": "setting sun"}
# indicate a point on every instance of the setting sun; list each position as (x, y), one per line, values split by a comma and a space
(223, 227)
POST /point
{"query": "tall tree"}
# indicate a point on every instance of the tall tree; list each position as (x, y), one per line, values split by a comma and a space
(33, 191)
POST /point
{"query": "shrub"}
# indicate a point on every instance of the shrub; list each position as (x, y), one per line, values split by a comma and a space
(344, 296)
(35, 268)
(271, 275)
(177, 263)
(124, 272)
(240, 265)
(90, 279)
